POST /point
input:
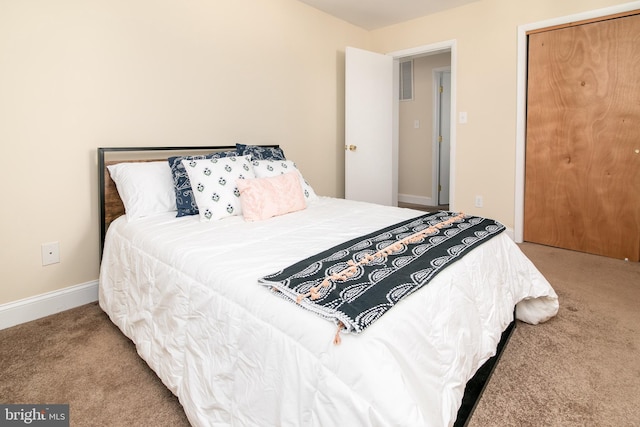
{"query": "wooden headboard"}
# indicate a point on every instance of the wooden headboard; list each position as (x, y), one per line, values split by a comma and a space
(111, 206)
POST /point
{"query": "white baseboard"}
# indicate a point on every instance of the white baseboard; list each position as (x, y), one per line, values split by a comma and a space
(415, 200)
(42, 305)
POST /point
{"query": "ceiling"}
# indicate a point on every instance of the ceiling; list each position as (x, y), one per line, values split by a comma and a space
(374, 14)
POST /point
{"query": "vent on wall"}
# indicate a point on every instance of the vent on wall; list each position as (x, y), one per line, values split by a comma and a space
(406, 80)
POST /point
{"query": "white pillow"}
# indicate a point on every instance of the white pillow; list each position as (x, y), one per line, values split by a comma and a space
(269, 167)
(146, 188)
(213, 182)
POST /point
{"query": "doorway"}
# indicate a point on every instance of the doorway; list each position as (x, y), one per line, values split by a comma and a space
(371, 122)
(424, 130)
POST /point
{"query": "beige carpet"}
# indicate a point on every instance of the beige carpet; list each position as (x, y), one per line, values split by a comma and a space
(580, 369)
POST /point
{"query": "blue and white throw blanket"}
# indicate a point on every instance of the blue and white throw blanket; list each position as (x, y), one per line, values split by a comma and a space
(356, 282)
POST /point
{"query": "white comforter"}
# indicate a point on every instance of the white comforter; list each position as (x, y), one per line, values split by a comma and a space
(236, 354)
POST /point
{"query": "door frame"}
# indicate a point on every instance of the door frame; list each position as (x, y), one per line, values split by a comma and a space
(437, 74)
(430, 49)
(521, 97)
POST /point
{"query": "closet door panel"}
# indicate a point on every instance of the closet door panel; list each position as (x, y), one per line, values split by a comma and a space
(582, 175)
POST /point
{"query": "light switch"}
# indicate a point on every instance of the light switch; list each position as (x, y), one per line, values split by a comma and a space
(462, 117)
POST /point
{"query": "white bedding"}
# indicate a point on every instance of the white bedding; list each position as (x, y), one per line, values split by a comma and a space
(234, 353)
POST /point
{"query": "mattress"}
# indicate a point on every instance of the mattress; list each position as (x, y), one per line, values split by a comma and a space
(235, 353)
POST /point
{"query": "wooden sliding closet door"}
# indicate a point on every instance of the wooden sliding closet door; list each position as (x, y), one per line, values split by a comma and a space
(582, 175)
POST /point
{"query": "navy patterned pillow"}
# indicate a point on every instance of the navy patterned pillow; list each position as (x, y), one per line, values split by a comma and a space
(185, 202)
(260, 153)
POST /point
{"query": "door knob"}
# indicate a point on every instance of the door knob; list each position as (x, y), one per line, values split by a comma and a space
(352, 148)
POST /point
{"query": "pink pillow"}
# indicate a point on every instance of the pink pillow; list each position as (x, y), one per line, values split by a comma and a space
(263, 198)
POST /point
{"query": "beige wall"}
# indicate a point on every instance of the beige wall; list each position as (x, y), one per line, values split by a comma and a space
(415, 144)
(486, 35)
(76, 75)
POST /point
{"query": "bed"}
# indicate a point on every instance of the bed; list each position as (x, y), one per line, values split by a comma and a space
(186, 291)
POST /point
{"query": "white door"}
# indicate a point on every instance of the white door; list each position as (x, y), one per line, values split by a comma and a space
(370, 146)
(444, 150)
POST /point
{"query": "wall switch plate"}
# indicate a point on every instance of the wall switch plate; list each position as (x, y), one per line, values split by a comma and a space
(416, 124)
(462, 117)
(50, 253)
(478, 201)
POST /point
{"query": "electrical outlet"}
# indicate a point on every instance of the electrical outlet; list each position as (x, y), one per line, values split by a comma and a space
(478, 201)
(50, 253)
